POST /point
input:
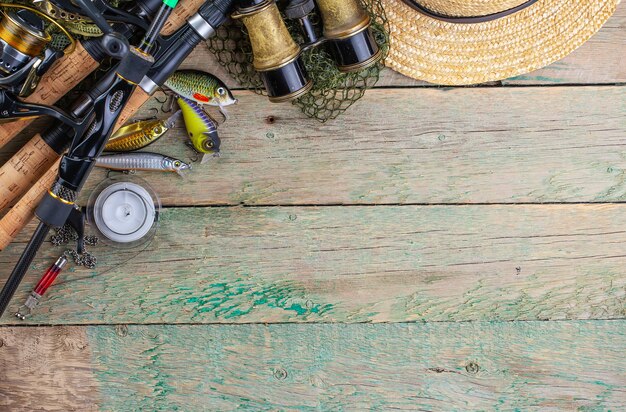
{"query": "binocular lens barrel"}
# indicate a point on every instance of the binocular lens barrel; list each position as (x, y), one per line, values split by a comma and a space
(287, 82)
(356, 52)
(350, 39)
(276, 54)
(347, 34)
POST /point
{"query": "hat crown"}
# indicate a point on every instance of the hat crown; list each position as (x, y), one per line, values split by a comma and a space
(469, 8)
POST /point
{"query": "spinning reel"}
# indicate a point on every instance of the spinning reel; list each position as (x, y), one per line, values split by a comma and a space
(26, 53)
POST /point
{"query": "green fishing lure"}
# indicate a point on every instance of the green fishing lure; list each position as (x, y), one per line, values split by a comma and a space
(200, 87)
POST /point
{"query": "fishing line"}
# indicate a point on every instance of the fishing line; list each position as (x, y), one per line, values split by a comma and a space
(146, 246)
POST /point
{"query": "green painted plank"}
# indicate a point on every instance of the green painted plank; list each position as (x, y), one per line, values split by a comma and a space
(521, 145)
(351, 264)
(545, 366)
(495, 145)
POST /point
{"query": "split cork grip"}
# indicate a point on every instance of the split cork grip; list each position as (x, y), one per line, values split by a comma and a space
(26, 167)
(23, 212)
(70, 70)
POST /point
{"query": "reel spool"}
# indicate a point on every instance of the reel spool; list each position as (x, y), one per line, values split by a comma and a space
(124, 211)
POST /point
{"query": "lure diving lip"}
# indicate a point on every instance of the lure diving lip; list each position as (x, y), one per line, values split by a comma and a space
(142, 161)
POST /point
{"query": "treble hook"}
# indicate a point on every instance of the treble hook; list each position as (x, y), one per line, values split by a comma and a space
(153, 117)
(225, 117)
(195, 158)
(169, 100)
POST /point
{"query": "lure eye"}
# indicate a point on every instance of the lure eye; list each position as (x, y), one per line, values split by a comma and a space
(221, 91)
(177, 164)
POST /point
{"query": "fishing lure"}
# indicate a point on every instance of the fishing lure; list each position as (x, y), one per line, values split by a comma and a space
(200, 87)
(201, 129)
(83, 28)
(140, 134)
(142, 161)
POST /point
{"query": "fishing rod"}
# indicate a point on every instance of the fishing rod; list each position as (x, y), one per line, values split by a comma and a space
(142, 69)
(20, 172)
(77, 63)
(28, 171)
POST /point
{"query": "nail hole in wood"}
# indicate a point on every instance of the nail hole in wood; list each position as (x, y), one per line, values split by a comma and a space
(121, 330)
(472, 368)
(270, 119)
(280, 374)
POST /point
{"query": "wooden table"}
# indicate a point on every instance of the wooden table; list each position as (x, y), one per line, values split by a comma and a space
(433, 249)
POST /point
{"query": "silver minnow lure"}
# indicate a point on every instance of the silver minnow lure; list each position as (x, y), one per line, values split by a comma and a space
(142, 161)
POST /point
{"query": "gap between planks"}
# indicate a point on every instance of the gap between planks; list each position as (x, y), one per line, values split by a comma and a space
(357, 264)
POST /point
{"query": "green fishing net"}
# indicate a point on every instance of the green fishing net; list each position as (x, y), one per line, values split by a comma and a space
(333, 92)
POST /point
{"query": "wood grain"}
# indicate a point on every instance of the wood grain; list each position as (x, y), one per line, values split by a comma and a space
(545, 366)
(46, 369)
(349, 264)
(488, 145)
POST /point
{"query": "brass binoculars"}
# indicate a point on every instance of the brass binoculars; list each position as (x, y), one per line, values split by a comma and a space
(277, 57)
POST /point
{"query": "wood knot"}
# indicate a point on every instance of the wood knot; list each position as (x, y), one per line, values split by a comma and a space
(280, 374)
(121, 330)
(472, 367)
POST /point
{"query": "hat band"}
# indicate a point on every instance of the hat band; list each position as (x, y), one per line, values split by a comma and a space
(467, 20)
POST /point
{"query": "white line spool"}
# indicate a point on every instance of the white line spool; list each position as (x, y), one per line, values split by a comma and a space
(125, 211)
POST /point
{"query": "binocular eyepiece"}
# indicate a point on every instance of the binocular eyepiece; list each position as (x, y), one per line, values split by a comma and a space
(277, 57)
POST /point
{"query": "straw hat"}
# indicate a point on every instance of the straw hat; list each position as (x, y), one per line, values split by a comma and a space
(429, 41)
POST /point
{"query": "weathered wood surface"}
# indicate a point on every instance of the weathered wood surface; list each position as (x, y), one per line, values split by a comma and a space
(598, 61)
(545, 366)
(46, 369)
(351, 264)
(294, 257)
(490, 145)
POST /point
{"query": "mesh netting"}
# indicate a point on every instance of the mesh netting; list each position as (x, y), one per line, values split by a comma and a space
(333, 92)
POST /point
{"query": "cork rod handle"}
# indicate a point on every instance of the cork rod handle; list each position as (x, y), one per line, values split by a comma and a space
(14, 221)
(24, 169)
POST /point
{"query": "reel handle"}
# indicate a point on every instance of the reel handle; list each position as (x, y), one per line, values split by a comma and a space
(113, 43)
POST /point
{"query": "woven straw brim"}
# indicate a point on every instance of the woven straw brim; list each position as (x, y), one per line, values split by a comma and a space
(456, 54)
